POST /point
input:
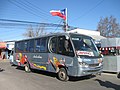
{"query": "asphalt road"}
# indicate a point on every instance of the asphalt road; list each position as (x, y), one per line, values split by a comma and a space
(13, 78)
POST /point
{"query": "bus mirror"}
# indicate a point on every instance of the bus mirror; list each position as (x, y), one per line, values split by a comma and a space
(66, 37)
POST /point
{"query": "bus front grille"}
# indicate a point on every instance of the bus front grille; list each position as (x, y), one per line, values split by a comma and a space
(94, 65)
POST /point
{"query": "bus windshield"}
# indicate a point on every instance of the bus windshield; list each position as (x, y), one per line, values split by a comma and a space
(84, 46)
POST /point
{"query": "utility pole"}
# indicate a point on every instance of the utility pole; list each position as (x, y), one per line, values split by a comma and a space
(65, 22)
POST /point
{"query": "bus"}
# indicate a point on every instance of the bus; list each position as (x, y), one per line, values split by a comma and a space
(67, 54)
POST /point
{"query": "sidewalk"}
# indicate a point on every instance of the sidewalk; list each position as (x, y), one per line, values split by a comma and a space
(108, 73)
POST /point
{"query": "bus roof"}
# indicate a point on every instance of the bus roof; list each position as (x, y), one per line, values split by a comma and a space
(54, 34)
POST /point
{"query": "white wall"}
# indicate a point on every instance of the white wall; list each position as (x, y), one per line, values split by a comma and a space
(10, 45)
(86, 32)
(94, 34)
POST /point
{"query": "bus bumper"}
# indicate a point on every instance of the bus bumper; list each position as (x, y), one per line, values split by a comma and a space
(89, 71)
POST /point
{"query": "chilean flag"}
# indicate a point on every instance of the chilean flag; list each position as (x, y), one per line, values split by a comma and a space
(60, 13)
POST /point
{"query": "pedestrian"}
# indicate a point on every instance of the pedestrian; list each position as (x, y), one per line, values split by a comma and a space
(9, 52)
(3, 54)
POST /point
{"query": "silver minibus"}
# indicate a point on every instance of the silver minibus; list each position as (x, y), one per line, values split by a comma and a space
(67, 54)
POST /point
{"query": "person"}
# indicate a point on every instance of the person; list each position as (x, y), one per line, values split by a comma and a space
(66, 45)
(3, 54)
(9, 52)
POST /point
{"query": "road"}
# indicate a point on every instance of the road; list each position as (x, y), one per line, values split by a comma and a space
(13, 78)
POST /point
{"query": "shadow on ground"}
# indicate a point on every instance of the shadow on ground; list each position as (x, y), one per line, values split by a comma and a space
(108, 84)
(1, 70)
(54, 75)
(81, 78)
(39, 72)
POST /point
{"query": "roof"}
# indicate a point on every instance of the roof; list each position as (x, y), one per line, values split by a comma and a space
(97, 37)
(53, 34)
(94, 34)
(2, 45)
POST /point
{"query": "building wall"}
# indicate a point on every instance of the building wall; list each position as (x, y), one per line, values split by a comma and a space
(94, 34)
(10, 45)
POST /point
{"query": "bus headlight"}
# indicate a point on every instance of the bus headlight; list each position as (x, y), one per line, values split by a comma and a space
(100, 60)
(83, 64)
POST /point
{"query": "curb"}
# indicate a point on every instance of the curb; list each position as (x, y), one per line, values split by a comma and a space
(110, 74)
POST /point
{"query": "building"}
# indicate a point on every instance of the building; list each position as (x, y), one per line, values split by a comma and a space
(10, 48)
(94, 34)
(111, 51)
(10, 45)
(6, 49)
(2, 50)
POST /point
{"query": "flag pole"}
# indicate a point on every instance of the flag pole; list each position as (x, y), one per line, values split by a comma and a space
(66, 21)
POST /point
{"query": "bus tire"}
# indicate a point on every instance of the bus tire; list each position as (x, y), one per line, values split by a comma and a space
(27, 68)
(62, 74)
(118, 75)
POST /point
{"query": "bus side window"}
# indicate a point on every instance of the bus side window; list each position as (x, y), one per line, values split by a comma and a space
(43, 46)
(31, 46)
(26, 46)
(17, 49)
(37, 45)
(60, 45)
(53, 45)
(65, 46)
(40, 45)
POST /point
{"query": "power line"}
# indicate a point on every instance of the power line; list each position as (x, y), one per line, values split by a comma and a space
(35, 8)
(44, 12)
(23, 8)
(58, 24)
(18, 22)
(10, 34)
(30, 8)
(16, 25)
(99, 3)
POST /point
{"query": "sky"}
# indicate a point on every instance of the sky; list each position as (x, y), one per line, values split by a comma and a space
(83, 14)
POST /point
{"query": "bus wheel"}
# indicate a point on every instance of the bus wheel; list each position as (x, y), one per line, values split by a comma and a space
(62, 75)
(27, 67)
(118, 75)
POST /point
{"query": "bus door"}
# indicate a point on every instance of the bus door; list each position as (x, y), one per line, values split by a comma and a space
(53, 51)
(62, 52)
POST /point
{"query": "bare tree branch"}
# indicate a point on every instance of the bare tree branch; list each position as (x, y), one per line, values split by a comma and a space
(30, 32)
(109, 27)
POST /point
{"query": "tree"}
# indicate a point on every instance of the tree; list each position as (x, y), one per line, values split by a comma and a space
(30, 32)
(109, 27)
